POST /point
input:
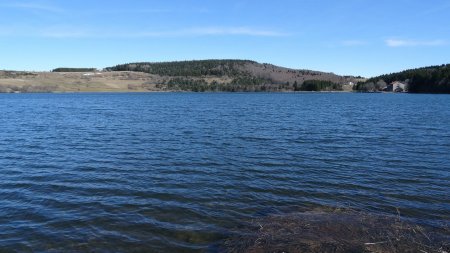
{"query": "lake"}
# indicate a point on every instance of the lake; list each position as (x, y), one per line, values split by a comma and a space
(174, 172)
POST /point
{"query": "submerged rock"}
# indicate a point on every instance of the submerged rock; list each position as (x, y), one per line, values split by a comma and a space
(337, 231)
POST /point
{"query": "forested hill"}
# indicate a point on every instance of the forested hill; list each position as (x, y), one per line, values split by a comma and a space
(234, 75)
(74, 70)
(433, 79)
(187, 68)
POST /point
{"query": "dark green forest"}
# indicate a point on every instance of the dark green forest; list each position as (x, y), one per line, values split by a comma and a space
(319, 85)
(239, 84)
(246, 84)
(433, 79)
(74, 70)
(186, 68)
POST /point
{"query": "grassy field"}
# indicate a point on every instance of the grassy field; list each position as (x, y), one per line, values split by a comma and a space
(15, 81)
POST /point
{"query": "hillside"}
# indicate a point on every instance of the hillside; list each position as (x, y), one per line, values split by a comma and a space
(204, 75)
(433, 79)
(234, 75)
(19, 81)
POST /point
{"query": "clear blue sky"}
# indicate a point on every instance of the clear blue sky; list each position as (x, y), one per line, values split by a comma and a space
(357, 37)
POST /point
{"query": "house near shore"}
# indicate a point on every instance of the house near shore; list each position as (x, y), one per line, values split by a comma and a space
(396, 87)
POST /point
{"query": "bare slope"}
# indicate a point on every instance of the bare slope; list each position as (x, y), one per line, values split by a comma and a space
(14, 81)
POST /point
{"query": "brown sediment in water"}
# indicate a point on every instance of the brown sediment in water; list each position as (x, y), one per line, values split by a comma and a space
(337, 231)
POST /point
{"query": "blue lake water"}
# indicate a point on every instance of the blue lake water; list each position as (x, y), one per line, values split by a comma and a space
(173, 172)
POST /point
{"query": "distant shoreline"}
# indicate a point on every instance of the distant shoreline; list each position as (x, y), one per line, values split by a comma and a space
(219, 76)
(209, 92)
(198, 76)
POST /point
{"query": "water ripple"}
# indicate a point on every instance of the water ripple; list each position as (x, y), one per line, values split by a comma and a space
(173, 172)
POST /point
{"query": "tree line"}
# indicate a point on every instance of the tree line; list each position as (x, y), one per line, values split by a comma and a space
(201, 85)
(74, 70)
(433, 79)
(319, 85)
(186, 68)
(244, 84)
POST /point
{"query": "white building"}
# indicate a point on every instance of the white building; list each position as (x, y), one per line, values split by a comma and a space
(398, 86)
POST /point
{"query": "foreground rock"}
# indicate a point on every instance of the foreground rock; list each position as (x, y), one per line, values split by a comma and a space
(341, 231)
